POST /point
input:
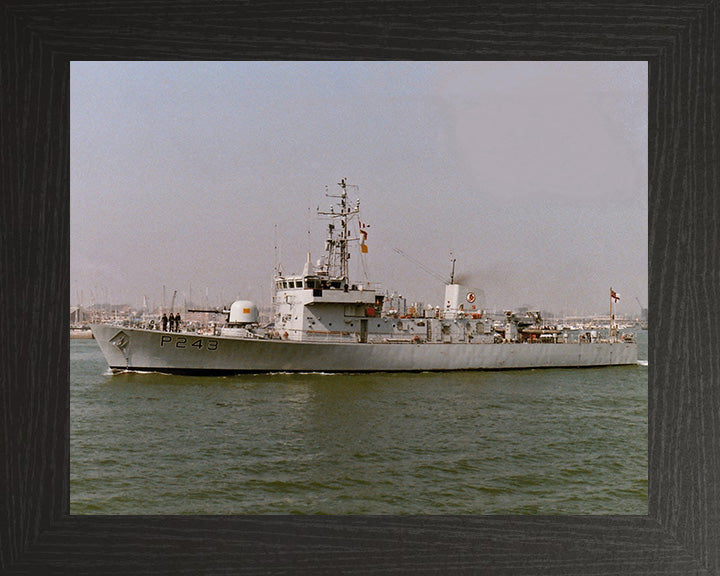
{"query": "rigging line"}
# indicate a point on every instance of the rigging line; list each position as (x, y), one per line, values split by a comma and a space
(363, 262)
(308, 230)
(422, 266)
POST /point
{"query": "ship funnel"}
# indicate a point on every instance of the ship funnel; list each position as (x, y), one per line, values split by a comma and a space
(459, 298)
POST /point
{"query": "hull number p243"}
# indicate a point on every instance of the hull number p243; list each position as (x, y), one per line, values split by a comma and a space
(185, 342)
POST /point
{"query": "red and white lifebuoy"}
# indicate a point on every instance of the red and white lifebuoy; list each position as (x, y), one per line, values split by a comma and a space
(470, 297)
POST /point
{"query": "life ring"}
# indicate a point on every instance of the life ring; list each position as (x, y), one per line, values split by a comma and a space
(416, 339)
(470, 297)
(285, 335)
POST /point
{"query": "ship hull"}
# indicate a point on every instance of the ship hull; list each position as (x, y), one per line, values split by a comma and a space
(152, 350)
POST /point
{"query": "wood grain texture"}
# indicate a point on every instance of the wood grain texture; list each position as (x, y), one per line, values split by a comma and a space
(681, 534)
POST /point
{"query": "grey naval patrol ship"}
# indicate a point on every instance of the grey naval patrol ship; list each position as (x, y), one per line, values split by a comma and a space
(324, 322)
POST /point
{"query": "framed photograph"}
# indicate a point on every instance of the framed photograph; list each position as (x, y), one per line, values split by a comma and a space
(487, 366)
(40, 532)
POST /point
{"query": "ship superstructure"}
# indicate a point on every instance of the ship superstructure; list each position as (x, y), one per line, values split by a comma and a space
(324, 305)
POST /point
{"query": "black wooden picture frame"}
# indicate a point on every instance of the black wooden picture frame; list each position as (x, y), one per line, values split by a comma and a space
(681, 43)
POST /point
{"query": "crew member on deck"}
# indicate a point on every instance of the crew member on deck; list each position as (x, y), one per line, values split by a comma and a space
(171, 319)
(164, 322)
(177, 322)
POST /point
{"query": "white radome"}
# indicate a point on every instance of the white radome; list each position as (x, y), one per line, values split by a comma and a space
(243, 312)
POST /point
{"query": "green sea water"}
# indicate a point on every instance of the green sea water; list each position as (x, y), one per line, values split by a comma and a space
(551, 441)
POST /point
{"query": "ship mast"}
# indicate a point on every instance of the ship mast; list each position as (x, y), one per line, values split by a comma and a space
(336, 246)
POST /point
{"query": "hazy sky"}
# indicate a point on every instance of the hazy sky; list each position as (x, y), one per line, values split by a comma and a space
(534, 174)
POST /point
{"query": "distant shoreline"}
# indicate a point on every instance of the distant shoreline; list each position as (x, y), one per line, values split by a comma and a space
(81, 334)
